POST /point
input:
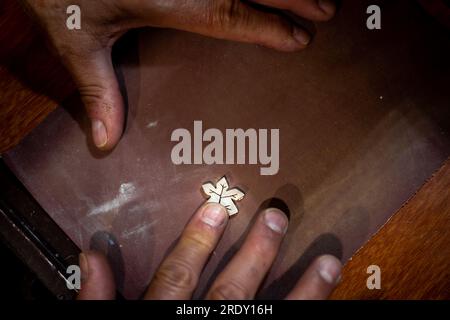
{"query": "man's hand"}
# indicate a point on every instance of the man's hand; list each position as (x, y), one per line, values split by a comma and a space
(178, 275)
(87, 52)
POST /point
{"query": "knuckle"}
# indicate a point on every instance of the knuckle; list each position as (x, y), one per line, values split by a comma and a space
(229, 291)
(265, 248)
(92, 91)
(176, 275)
(228, 14)
(94, 96)
(197, 242)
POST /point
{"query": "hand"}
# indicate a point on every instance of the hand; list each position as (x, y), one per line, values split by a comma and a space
(87, 52)
(178, 275)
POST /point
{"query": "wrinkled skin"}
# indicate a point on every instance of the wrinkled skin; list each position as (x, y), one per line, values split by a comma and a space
(87, 52)
(178, 275)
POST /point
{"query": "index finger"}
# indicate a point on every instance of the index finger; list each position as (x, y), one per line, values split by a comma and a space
(178, 274)
(317, 10)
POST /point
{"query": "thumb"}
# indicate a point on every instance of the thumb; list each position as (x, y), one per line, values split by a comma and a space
(97, 83)
(97, 280)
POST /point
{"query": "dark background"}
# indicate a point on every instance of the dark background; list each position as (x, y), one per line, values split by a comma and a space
(18, 281)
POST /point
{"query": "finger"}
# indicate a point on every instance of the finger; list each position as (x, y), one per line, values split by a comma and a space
(178, 275)
(319, 279)
(235, 20)
(317, 10)
(242, 277)
(97, 280)
(100, 93)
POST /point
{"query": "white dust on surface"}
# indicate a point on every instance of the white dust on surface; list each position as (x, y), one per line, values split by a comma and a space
(127, 193)
(152, 124)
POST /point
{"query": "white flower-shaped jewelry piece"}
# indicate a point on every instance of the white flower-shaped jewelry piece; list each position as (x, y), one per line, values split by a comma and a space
(221, 194)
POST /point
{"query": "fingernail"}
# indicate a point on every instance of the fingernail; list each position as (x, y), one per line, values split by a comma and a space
(276, 220)
(82, 260)
(327, 6)
(301, 36)
(214, 215)
(99, 133)
(329, 269)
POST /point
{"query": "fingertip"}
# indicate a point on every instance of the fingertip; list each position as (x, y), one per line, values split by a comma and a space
(329, 268)
(106, 130)
(276, 220)
(97, 280)
(319, 279)
(301, 36)
(214, 215)
(103, 139)
(99, 133)
(328, 8)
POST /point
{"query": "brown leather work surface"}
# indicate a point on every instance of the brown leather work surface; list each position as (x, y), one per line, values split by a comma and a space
(363, 118)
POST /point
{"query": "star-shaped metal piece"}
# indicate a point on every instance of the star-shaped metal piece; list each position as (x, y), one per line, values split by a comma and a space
(221, 194)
